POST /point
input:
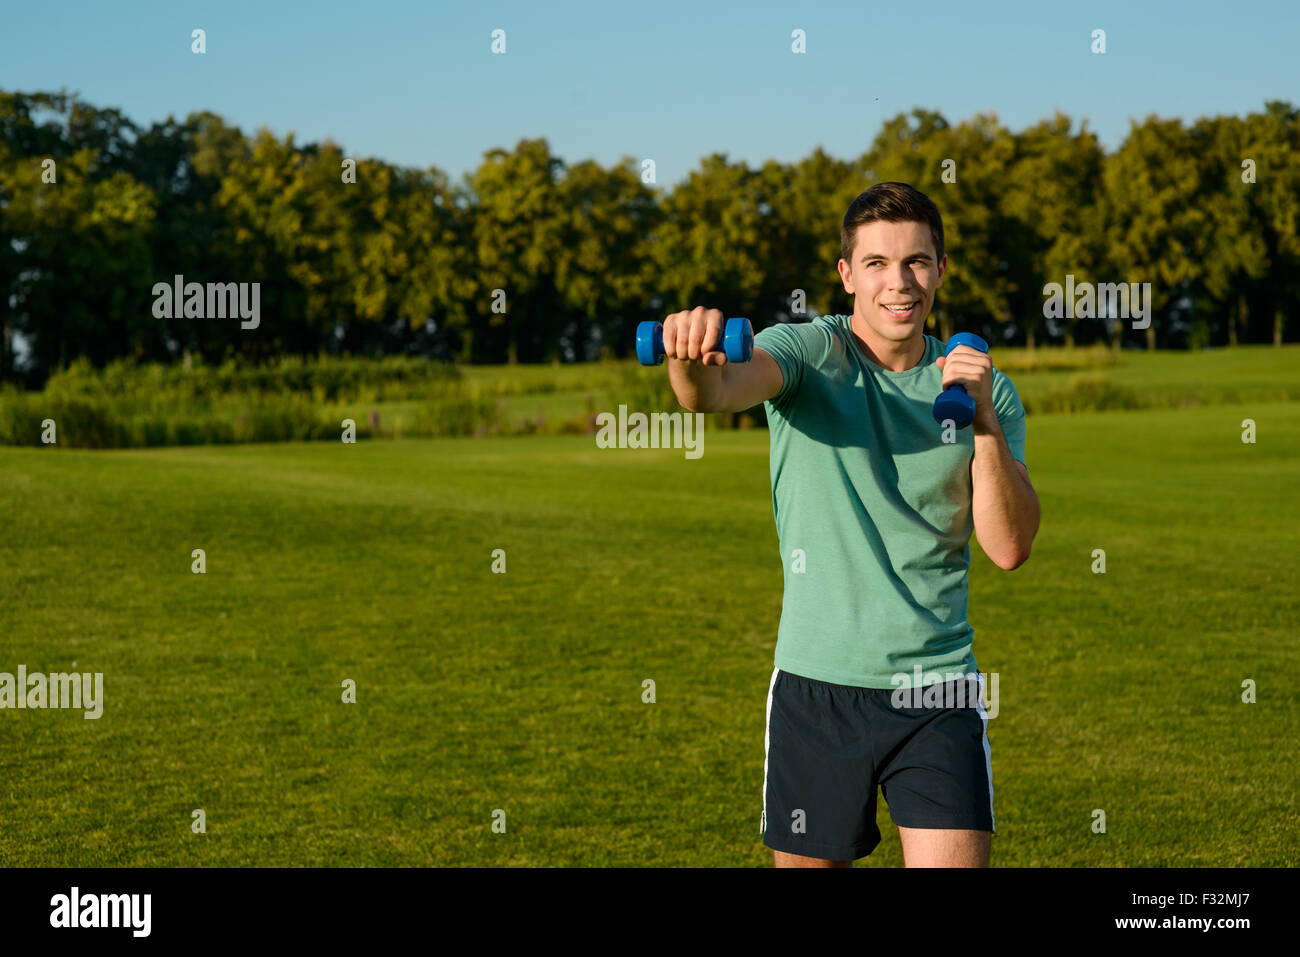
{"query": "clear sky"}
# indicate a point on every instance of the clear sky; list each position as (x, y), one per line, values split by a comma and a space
(415, 83)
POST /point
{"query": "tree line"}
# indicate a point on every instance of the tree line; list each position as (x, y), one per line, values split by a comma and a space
(530, 258)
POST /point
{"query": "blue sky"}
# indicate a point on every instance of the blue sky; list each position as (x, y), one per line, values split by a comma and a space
(415, 83)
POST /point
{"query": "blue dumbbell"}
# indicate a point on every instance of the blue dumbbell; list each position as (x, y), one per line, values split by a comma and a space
(737, 341)
(954, 403)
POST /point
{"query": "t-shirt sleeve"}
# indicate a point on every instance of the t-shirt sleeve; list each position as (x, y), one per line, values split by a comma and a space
(786, 343)
(1011, 414)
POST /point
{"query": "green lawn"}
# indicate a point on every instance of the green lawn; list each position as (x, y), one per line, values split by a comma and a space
(522, 691)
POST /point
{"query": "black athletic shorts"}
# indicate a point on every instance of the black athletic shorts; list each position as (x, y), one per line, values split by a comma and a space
(829, 746)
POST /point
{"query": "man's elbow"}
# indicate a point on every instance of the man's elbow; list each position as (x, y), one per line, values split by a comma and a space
(691, 403)
(1012, 560)
(1017, 550)
(705, 404)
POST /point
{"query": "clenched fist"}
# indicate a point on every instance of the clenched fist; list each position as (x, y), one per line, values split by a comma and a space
(695, 334)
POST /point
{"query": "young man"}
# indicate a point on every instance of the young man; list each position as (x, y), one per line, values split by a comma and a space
(875, 504)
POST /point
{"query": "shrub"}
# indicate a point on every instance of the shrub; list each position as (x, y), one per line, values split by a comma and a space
(1084, 393)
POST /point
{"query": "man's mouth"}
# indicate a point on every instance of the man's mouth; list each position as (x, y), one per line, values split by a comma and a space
(903, 310)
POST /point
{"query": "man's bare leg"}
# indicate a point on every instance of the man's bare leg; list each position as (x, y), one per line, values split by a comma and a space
(940, 847)
(782, 859)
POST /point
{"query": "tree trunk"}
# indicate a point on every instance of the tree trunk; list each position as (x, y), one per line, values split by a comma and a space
(939, 316)
(1232, 324)
(465, 340)
(1279, 320)
(1151, 336)
(579, 339)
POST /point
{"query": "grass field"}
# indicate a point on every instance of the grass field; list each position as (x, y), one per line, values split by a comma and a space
(522, 691)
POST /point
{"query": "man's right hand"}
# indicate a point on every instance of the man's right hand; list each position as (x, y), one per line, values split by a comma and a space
(695, 334)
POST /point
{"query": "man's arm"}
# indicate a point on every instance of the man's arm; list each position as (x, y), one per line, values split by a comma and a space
(733, 387)
(713, 384)
(1004, 505)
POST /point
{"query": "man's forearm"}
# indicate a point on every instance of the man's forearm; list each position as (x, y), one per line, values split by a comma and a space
(1003, 505)
(699, 388)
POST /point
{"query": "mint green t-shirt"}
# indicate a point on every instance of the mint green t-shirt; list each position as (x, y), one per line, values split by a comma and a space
(872, 509)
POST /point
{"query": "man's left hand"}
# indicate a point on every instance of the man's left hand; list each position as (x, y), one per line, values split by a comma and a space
(973, 371)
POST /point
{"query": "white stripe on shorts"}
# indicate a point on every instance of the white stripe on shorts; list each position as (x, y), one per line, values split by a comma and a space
(988, 758)
(767, 733)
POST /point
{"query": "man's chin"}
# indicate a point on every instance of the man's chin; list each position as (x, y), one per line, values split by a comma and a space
(900, 331)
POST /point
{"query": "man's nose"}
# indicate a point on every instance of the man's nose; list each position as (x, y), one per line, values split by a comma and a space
(900, 278)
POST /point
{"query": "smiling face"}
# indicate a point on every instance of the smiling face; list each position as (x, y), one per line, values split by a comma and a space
(893, 276)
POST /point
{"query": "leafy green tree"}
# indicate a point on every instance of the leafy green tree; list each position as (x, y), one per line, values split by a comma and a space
(989, 250)
(517, 230)
(72, 250)
(415, 264)
(1272, 139)
(1230, 249)
(280, 222)
(75, 251)
(1152, 219)
(1051, 197)
(84, 269)
(802, 208)
(709, 249)
(603, 273)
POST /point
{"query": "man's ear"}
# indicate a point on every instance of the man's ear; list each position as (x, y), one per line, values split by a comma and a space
(943, 267)
(846, 276)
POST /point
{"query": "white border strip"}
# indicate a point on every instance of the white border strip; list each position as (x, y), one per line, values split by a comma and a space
(767, 740)
(988, 757)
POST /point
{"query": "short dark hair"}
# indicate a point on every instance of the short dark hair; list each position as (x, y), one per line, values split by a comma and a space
(893, 203)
